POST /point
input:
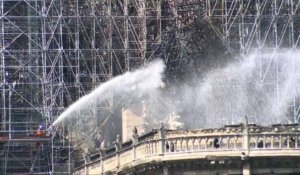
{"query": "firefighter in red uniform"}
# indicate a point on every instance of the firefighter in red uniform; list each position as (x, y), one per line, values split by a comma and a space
(39, 133)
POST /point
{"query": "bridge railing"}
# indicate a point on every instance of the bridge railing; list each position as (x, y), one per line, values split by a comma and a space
(172, 144)
(204, 143)
(274, 141)
(233, 142)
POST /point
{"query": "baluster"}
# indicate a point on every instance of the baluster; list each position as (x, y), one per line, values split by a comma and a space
(272, 142)
(235, 140)
(296, 141)
(205, 146)
(146, 148)
(175, 145)
(264, 141)
(280, 141)
(151, 147)
(180, 141)
(187, 144)
(193, 144)
(172, 146)
(156, 147)
(199, 145)
(240, 142)
(228, 140)
(256, 144)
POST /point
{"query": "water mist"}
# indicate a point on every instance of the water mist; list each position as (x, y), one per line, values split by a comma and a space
(262, 86)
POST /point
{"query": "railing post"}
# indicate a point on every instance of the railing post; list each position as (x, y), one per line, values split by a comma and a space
(135, 140)
(102, 155)
(161, 137)
(118, 147)
(134, 152)
(86, 156)
(246, 135)
(246, 147)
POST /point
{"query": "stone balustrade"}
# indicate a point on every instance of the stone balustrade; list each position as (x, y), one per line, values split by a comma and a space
(166, 145)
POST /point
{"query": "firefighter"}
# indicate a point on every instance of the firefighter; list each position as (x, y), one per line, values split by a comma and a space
(39, 133)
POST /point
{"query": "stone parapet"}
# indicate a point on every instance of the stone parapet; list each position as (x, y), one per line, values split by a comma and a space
(162, 146)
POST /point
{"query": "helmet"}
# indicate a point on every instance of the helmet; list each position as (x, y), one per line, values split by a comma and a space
(42, 126)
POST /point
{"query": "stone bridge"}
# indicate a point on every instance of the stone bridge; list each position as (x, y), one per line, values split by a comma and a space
(235, 149)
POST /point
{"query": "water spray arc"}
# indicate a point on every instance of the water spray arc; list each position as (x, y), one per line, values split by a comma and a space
(140, 81)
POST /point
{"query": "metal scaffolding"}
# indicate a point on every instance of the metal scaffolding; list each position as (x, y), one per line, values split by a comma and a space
(55, 51)
(260, 26)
